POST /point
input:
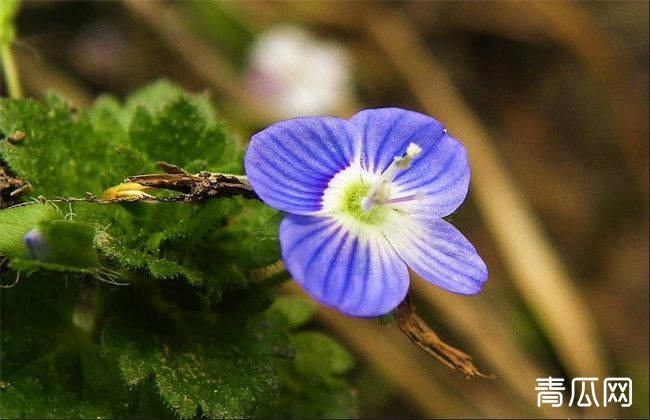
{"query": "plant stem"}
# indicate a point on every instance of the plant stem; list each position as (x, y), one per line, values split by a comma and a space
(10, 71)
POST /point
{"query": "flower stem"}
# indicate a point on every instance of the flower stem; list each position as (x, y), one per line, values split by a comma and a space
(10, 71)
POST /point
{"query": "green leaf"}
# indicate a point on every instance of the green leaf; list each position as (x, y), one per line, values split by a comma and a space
(319, 354)
(66, 245)
(174, 239)
(119, 251)
(50, 368)
(125, 158)
(16, 222)
(291, 312)
(99, 148)
(312, 386)
(157, 95)
(66, 152)
(199, 360)
(180, 134)
(60, 153)
(69, 382)
(69, 243)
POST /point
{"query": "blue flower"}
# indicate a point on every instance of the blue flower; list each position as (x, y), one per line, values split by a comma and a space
(365, 199)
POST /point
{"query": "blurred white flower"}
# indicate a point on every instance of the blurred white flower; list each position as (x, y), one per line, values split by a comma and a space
(295, 74)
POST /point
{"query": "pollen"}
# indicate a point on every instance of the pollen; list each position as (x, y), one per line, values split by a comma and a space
(412, 151)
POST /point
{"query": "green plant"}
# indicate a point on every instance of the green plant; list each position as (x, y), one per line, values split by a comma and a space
(147, 309)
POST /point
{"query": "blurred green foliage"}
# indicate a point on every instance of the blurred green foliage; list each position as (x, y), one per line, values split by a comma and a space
(188, 334)
(314, 375)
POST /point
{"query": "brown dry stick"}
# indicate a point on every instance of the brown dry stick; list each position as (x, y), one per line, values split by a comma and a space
(410, 323)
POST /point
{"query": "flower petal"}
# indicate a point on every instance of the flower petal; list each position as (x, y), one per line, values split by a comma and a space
(440, 175)
(290, 163)
(437, 252)
(358, 274)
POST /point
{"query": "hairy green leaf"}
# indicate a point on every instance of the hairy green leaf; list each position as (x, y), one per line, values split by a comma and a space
(205, 360)
(50, 367)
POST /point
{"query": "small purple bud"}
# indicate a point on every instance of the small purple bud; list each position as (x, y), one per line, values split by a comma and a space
(35, 245)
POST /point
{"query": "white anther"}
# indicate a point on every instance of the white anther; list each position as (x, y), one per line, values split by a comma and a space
(412, 151)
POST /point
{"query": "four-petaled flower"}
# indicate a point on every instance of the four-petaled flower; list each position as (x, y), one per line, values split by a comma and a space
(365, 198)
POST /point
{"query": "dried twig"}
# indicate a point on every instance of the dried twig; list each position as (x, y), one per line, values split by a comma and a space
(197, 187)
(410, 323)
(10, 188)
(193, 188)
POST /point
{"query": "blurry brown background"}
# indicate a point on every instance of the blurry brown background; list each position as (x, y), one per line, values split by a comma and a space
(551, 100)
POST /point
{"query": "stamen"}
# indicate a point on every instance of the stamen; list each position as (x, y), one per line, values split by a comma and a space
(380, 191)
(404, 198)
(404, 161)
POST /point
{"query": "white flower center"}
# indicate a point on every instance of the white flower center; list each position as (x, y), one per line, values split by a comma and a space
(355, 195)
